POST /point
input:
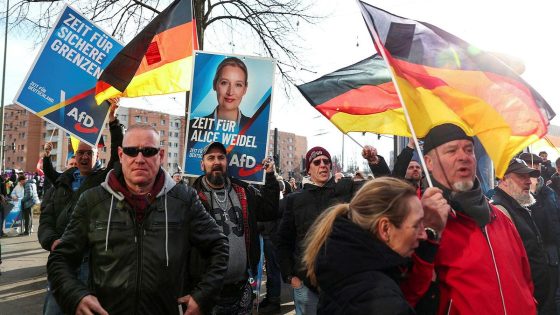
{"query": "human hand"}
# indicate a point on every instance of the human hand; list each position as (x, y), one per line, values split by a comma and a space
(411, 143)
(296, 283)
(436, 209)
(114, 104)
(268, 164)
(55, 244)
(370, 154)
(89, 305)
(192, 306)
(47, 149)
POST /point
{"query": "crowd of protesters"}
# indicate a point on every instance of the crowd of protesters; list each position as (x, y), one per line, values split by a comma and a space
(130, 238)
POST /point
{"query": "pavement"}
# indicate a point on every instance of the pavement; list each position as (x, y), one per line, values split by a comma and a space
(23, 277)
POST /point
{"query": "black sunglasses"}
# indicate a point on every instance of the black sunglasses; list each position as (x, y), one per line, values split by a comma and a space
(318, 162)
(146, 151)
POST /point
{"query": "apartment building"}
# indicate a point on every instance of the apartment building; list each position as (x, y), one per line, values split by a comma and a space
(25, 135)
(291, 149)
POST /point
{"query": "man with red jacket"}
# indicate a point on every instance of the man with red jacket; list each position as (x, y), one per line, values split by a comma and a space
(481, 264)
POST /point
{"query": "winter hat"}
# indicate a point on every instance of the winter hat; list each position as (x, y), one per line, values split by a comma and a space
(314, 153)
(442, 134)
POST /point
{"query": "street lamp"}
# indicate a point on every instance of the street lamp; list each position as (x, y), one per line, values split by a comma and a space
(4, 85)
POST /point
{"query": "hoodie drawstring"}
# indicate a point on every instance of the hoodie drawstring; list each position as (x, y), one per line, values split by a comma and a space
(166, 232)
(109, 223)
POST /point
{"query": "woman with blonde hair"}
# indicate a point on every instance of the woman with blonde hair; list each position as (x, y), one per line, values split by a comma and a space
(355, 253)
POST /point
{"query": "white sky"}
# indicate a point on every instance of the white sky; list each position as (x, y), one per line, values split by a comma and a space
(521, 29)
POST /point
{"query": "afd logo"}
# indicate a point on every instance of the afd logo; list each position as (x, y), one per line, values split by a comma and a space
(84, 122)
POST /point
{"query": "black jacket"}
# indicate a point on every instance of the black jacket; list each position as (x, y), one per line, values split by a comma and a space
(532, 241)
(262, 205)
(358, 274)
(57, 206)
(138, 268)
(302, 208)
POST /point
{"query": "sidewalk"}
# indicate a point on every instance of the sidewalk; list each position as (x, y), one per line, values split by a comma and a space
(23, 276)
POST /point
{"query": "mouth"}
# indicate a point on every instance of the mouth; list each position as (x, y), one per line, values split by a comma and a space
(229, 100)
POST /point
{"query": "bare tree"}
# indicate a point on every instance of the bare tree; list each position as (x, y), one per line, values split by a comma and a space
(273, 23)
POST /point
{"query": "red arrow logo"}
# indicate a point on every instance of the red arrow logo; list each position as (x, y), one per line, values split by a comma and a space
(83, 129)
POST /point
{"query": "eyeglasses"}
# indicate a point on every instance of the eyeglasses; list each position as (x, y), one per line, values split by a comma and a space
(146, 151)
(327, 162)
(84, 152)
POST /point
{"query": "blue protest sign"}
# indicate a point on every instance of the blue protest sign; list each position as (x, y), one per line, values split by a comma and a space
(230, 103)
(60, 86)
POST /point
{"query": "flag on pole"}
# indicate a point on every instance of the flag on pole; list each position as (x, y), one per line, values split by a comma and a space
(443, 79)
(157, 61)
(360, 97)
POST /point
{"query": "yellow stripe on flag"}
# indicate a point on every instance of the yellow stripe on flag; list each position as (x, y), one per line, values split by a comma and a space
(170, 78)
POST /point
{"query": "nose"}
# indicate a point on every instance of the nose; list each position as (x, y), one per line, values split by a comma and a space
(229, 89)
(423, 236)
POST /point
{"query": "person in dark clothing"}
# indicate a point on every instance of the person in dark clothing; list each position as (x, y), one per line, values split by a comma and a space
(555, 180)
(271, 303)
(302, 208)
(547, 170)
(237, 207)
(138, 229)
(514, 198)
(356, 252)
(57, 208)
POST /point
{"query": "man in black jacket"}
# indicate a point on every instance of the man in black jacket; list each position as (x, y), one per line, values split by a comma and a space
(236, 207)
(138, 229)
(58, 203)
(302, 208)
(514, 198)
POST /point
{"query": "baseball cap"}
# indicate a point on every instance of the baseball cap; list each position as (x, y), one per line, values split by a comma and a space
(518, 166)
(213, 145)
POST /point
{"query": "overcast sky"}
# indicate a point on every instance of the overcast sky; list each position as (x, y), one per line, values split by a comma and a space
(520, 29)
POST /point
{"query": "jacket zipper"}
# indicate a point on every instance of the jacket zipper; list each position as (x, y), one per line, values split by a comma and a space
(138, 240)
(485, 232)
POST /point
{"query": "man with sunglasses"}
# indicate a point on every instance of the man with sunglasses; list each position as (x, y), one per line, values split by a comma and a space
(139, 228)
(237, 207)
(301, 208)
(58, 204)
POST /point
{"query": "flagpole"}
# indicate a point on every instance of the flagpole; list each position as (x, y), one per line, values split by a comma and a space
(381, 49)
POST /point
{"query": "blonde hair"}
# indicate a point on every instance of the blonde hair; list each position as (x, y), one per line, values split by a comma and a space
(382, 197)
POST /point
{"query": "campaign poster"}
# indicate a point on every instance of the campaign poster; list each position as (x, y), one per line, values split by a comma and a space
(60, 86)
(230, 103)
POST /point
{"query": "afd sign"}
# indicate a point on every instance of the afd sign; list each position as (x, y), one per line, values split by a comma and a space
(60, 86)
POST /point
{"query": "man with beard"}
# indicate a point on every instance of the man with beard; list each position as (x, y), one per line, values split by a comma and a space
(481, 264)
(513, 196)
(237, 207)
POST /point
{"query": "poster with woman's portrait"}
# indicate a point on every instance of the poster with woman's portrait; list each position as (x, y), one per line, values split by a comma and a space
(230, 103)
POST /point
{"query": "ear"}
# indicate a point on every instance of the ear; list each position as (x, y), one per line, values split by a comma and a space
(429, 162)
(202, 164)
(120, 152)
(383, 227)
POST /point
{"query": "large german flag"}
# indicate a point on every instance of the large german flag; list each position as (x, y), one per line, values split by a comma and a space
(157, 61)
(443, 79)
(360, 97)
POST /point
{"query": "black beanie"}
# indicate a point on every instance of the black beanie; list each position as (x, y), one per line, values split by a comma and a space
(442, 134)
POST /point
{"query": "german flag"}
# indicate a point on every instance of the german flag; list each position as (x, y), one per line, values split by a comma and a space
(443, 79)
(360, 97)
(157, 61)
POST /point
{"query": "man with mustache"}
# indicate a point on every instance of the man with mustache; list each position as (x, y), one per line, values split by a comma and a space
(513, 196)
(237, 207)
(480, 263)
